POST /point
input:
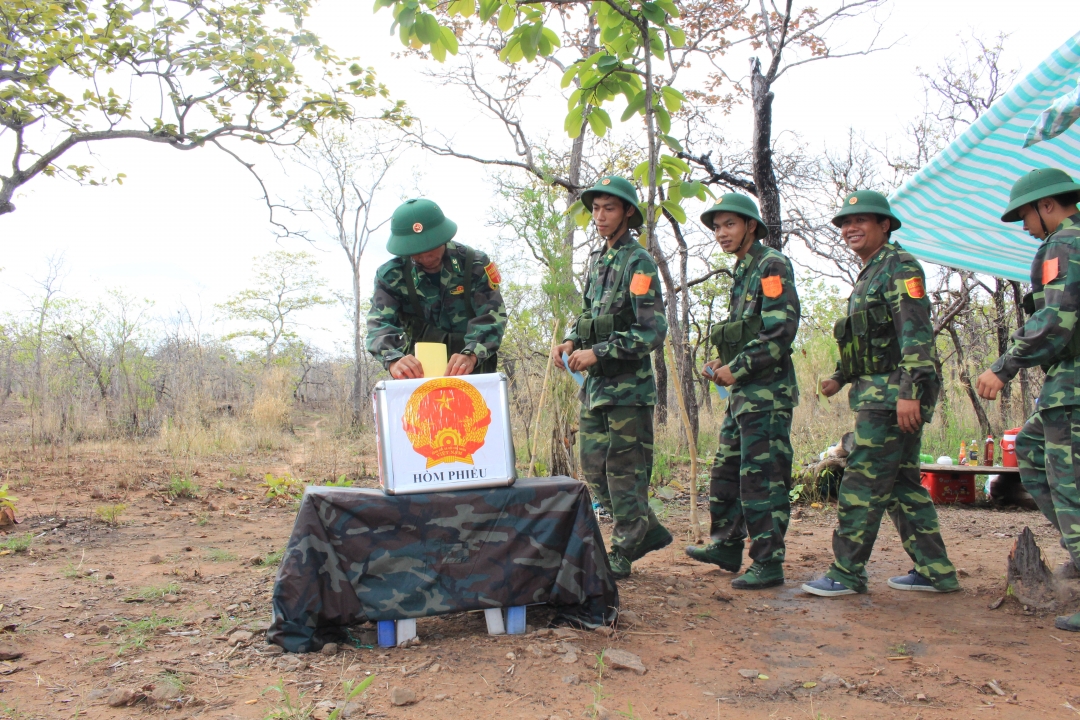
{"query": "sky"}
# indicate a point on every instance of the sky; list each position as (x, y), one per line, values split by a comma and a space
(185, 227)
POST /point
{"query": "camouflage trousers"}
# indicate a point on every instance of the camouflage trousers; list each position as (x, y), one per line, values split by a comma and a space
(617, 459)
(1047, 450)
(748, 487)
(882, 475)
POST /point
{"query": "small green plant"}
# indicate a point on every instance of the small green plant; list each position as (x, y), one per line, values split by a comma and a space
(72, 571)
(273, 558)
(284, 488)
(203, 519)
(352, 690)
(152, 592)
(342, 481)
(137, 632)
(220, 485)
(237, 471)
(16, 543)
(219, 555)
(183, 487)
(173, 682)
(110, 514)
(598, 687)
(285, 709)
(7, 501)
(658, 507)
(795, 494)
(899, 650)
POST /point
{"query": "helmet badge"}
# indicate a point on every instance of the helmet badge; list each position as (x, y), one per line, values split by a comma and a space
(417, 227)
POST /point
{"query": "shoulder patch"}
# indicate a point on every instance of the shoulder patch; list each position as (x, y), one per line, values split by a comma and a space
(914, 287)
(772, 286)
(1050, 270)
(640, 284)
(493, 276)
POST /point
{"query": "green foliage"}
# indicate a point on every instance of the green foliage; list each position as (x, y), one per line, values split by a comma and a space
(285, 487)
(273, 558)
(6, 500)
(342, 481)
(153, 592)
(285, 284)
(353, 690)
(137, 632)
(16, 543)
(795, 494)
(183, 487)
(227, 72)
(286, 709)
(110, 514)
(219, 555)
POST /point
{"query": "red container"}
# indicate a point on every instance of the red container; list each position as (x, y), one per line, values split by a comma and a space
(1008, 447)
(947, 488)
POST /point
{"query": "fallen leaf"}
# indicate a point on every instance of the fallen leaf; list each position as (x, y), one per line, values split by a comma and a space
(762, 677)
(250, 702)
(809, 685)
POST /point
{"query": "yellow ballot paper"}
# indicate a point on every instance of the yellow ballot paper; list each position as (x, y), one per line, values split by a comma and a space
(433, 357)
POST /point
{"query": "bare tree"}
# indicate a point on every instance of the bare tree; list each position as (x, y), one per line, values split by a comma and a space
(351, 174)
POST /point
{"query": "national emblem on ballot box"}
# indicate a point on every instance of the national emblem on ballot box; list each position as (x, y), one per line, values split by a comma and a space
(444, 433)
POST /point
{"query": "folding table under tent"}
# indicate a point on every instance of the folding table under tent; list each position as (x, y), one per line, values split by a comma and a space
(951, 208)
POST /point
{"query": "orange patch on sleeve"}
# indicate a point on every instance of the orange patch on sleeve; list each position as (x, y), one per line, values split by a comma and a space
(772, 286)
(640, 284)
(493, 276)
(1050, 270)
(914, 287)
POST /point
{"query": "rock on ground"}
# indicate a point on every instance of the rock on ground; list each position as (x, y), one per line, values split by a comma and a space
(402, 696)
(623, 660)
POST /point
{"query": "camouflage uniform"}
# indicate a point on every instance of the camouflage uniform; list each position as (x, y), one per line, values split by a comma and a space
(1050, 439)
(478, 322)
(890, 312)
(616, 422)
(748, 489)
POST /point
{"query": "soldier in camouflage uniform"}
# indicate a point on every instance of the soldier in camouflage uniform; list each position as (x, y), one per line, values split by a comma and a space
(751, 473)
(1050, 440)
(436, 291)
(622, 323)
(887, 354)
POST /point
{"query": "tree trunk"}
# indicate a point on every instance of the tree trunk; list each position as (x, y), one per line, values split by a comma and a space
(965, 380)
(768, 194)
(1002, 331)
(660, 371)
(356, 399)
(1025, 385)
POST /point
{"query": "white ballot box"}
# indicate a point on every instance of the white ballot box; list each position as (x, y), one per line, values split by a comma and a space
(444, 433)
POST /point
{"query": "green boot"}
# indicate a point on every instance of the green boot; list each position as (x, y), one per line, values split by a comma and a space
(728, 555)
(620, 565)
(1070, 623)
(654, 539)
(760, 576)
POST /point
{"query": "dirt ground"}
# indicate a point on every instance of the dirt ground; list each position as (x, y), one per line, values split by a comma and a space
(147, 611)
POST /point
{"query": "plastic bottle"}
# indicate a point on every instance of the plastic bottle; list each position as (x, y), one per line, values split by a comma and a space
(988, 451)
(963, 453)
(973, 452)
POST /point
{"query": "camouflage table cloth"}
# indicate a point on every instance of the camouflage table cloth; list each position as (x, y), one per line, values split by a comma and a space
(357, 555)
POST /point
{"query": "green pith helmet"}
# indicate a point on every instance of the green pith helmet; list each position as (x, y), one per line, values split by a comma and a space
(418, 226)
(618, 187)
(1036, 185)
(867, 202)
(740, 205)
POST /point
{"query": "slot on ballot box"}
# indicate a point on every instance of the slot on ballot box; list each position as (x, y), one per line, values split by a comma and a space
(444, 433)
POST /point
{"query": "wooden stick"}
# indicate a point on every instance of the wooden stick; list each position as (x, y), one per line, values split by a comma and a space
(689, 441)
(543, 392)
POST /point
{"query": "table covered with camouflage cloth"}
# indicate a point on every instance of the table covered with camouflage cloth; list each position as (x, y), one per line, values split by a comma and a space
(357, 555)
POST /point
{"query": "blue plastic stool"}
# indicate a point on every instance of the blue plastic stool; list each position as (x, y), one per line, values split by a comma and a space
(515, 620)
(387, 633)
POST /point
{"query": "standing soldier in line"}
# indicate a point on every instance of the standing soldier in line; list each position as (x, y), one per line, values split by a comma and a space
(752, 470)
(1047, 446)
(887, 354)
(622, 323)
(437, 291)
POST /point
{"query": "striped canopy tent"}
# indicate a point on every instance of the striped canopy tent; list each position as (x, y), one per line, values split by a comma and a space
(951, 209)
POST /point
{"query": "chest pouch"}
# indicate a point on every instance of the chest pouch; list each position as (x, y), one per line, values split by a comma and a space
(731, 338)
(868, 342)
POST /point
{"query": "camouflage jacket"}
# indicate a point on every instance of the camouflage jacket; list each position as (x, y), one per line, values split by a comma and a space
(894, 278)
(763, 371)
(640, 287)
(1045, 337)
(443, 305)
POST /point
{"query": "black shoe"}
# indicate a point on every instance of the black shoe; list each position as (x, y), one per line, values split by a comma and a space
(655, 539)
